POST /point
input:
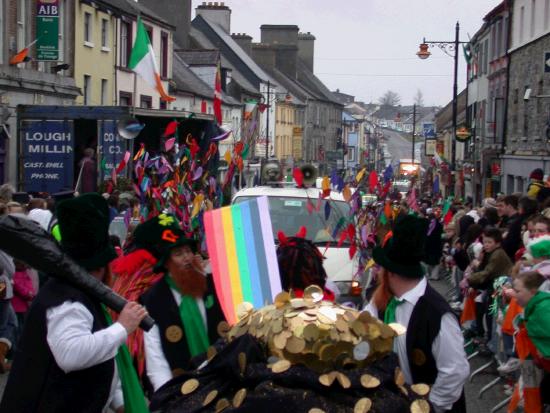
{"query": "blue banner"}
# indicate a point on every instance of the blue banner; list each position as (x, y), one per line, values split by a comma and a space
(111, 147)
(428, 130)
(48, 158)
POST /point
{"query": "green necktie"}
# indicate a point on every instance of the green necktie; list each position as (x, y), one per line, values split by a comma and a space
(134, 399)
(389, 315)
(191, 318)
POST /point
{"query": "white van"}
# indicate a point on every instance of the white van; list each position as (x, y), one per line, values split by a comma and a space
(288, 211)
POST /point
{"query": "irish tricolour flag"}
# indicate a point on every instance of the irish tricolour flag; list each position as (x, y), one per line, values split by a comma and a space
(143, 62)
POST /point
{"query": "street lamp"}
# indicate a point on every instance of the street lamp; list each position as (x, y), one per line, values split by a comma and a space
(450, 48)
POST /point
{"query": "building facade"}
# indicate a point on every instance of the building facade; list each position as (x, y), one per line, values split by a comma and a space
(33, 82)
(528, 115)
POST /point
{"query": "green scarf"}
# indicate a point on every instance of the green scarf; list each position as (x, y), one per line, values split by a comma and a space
(191, 318)
(134, 399)
(389, 314)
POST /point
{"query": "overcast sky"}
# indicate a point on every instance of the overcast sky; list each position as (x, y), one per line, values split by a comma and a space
(365, 47)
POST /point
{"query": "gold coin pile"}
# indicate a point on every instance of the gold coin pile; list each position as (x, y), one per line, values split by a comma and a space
(318, 334)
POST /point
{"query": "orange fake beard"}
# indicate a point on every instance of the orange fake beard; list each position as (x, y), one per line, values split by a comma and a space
(189, 280)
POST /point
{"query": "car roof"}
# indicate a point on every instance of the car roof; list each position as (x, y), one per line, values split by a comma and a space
(291, 192)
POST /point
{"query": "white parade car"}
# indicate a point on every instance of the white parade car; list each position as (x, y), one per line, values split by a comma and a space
(289, 211)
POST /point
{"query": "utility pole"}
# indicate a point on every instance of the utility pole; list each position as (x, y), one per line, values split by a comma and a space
(267, 123)
(413, 133)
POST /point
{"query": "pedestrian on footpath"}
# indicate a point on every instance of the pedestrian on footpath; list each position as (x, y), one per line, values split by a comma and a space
(432, 350)
(183, 304)
(65, 360)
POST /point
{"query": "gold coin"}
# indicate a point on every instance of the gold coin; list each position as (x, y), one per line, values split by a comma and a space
(420, 406)
(404, 390)
(244, 309)
(174, 333)
(399, 377)
(210, 397)
(373, 331)
(282, 299)
(189, 386)
(398, 328)
(341, 325)
(364, 316)
(363, 405)
(343, 380)
(369, 382)
(223, 329)
(327, 379)
(421, 389)
(358, 328)
(311, 332)
(281, 366)
(239, 397)
(280, 341)
(221, 405)
(242, 363)
(295, 345)
(418, 357)
(316, 410)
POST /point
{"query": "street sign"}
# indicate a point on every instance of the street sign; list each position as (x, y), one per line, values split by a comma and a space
(430, 147)
(428, 130)
(463, 134)
(546, 62)
(47, 30)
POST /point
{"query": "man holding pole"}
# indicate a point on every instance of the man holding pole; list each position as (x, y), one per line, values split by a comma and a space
(65, 360)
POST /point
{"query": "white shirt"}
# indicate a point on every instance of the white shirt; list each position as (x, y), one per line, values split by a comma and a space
(158, 369)
(75, 347)
(447, 350)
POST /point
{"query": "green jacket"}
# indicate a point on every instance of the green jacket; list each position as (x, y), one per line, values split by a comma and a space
(537, 321)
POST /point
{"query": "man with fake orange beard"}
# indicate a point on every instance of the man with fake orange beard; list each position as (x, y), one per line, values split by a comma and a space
(183, 304)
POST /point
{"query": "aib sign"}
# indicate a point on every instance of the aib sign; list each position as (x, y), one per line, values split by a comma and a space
(47, 30)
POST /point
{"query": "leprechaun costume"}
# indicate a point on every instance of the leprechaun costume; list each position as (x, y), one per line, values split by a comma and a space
(432, 350)
(186, 325)
(70, 357)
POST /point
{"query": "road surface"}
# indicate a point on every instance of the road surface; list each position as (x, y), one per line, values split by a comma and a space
(399, 147)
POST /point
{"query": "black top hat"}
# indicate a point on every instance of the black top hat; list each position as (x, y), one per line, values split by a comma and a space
(84, 226)
(404, 251)
(159, 235)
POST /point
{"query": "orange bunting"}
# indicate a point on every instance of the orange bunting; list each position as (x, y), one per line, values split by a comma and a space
(346, 193)
(325, 186)
(227, 157)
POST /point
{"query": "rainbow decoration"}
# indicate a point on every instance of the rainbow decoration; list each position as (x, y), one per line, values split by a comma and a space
(242, 254)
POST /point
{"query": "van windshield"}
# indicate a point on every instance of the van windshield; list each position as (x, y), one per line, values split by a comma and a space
(288, 214)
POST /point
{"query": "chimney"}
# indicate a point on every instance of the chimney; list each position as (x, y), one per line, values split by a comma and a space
(178, 14)
(263, 54)
(306, 49)
(244, 41)
(279, 34)
(284, 39)
(217, 13)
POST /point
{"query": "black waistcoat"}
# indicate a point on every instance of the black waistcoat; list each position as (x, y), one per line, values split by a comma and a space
(162, 306)
(424, 326)
(36, 383)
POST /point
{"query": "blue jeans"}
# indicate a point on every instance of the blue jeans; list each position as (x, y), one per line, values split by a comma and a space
(8, 322)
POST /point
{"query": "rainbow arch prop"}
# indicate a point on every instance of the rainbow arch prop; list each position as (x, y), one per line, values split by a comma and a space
(240, 244)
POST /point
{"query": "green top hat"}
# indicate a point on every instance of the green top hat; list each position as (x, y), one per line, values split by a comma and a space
(404, 251)
(84, 227)
(159, 235)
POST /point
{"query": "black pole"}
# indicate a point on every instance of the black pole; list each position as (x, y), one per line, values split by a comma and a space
(267, 123)
(414, 132)
(455, 93)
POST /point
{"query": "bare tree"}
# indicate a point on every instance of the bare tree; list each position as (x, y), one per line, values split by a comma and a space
(419, 98)
(390, 98)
